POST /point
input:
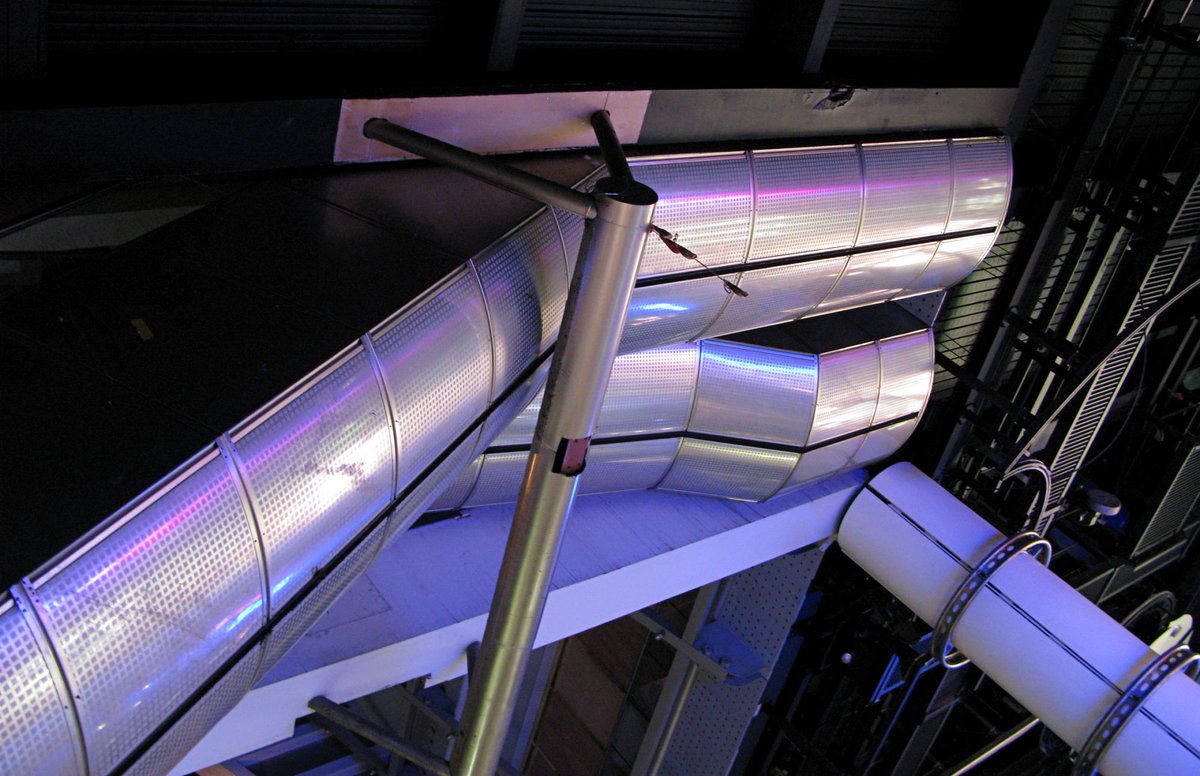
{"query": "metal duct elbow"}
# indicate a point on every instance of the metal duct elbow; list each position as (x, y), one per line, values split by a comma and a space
(1124, 708)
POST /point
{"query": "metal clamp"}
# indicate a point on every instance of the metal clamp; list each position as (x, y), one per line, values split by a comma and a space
(940, 645)
(1139, 691)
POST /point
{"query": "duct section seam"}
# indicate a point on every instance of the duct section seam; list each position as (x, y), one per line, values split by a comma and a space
(162, 605)
(1057, 653)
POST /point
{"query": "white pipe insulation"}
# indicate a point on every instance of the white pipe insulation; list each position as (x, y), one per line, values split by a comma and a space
(1053, 650)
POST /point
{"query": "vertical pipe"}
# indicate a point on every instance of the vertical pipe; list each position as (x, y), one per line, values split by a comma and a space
(583, 358)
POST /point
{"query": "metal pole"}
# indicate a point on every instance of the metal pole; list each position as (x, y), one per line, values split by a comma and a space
(355, 724)
(495, 173)
(587, 344)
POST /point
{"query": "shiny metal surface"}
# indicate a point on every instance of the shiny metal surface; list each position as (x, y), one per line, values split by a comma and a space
(296, 623)
(707, 201)
(847, 391)
(675, 312)
(437, 363)
(882, 442)
(953, 260)
(524, 278)
(806, 201)
(727, 470)
(460, 486)
(905, 375)
(908, 189)
(200, 717)
(499, 480)
(877, 276)
(148, 607)
(36, 728)
(982, 182)
(778, 294)
(514, 408)
(144, 617)
(821, 462)
(753, 393)
(317, 466)
(637, 465)
(629, 409)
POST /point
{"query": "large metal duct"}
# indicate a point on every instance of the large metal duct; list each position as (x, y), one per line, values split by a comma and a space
(728, 419)
(1064, 659)
(132, 642)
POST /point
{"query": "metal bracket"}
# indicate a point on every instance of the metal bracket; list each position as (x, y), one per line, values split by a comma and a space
(940, 646)
(717, 652)
(1139, 691)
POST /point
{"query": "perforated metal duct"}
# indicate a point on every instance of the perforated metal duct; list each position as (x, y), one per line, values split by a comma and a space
(731, 420)
(136, 639)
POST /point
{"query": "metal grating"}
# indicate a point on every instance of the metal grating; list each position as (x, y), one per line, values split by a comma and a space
(36, 728)
(952, 261)
(524, 278)
(499, 480)
(1187, 220)
(982, 172)
(707, 201)
(676, 312)
(437, 363)
(185, 563)
(200, 717)
(1176, 505)
(905, 375)
(631, 25)
(637, 465)
(1107, 383)
(847, 391)
(297, 622)
(755, 393)
(908, 189)
(629, 409)
(730, 471)
(806, 201)
(778, 294)
(877, 276)
(760, 606)
(318, 467)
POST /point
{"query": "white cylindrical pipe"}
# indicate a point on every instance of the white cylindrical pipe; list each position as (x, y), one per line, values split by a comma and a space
(1053, 650)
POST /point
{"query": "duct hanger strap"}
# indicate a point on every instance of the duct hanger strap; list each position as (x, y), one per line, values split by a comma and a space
(1135, 696)
(959, 602)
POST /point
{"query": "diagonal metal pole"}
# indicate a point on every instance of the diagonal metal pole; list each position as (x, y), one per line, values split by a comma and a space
(619, 212)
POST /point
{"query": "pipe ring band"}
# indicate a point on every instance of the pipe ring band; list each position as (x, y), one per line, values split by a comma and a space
(957, 605)
(1139, 691)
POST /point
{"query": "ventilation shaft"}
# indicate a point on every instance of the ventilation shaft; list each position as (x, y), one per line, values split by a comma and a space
(1122, 707)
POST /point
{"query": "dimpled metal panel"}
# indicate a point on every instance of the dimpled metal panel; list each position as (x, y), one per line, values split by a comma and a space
(670, 313)
(514, 408)
(981, 180)
(755, 393)
(459, 488)
(520, 429)
(199, 718)
(524, 279)
(35, 734)
(847, 389)
(499, 479)
(318, 468)
(570, 228)
(297, 622)
(823, 462)
(882, 442)
(707, 202)
(905, 375)
(437, 363)
(907, 191)
(778, 294)
(144, 616)
(877, 276)
(650, 391)
(430, 487)
(953, 261)
(637, 465)
(729, 471)
(805, 201)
